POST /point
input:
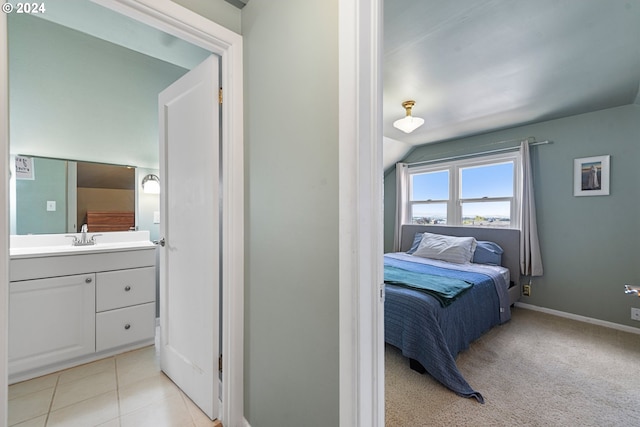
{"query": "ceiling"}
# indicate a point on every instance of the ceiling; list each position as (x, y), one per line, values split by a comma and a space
(476, 66)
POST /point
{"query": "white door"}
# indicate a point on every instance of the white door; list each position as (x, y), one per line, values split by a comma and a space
(189, 212)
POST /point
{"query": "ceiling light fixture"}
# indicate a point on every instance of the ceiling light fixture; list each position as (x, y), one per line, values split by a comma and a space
(409, 123)
(151, 184)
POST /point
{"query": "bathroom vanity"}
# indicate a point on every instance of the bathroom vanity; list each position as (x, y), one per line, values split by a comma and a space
(69, 305)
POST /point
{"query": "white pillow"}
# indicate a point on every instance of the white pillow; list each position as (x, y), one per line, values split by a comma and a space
(446, 248)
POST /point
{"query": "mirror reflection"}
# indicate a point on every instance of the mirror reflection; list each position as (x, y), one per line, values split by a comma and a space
(59, 196)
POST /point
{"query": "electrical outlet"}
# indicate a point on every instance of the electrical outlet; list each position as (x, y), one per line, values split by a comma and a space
(635, 313)
(526, 290)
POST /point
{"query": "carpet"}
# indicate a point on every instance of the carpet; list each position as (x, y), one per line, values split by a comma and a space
(535, 370)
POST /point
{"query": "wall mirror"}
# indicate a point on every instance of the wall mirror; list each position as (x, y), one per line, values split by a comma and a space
(59, 196)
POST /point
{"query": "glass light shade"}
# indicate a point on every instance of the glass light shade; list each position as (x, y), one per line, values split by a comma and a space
(408, 124)
(151, 184)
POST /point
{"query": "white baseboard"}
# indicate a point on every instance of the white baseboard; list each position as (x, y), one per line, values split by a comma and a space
(245, 422)
(579, 318)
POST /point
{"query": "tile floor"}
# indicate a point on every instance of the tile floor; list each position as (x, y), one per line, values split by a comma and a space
(127, 390)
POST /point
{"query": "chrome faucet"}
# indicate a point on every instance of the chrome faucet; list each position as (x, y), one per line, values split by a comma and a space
(83, 230)
(83, 241)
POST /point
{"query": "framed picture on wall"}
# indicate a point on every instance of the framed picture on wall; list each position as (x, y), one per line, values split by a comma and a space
(591, 176)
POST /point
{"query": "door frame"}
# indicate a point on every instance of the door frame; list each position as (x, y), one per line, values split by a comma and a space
(191, 27)
(361, 295)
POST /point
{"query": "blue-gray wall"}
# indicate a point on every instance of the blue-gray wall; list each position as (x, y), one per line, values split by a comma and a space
(589, 244)
(291, 140)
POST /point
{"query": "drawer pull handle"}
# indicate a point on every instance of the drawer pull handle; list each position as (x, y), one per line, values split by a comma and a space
(127, 326)
(127, 288)
(88, 280)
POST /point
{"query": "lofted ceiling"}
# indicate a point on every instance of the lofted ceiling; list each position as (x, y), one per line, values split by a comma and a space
(476, 66)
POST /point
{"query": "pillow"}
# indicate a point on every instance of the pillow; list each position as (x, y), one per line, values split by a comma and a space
(416, 242)
(488, 253)
(446, 248)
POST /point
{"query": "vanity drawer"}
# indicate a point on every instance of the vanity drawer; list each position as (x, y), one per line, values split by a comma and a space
(124, 288)
(125, 326)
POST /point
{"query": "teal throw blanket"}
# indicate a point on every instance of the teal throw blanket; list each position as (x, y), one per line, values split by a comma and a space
(444, 289)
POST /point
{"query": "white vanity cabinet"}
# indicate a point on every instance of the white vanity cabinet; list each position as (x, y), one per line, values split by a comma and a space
(69, 308)
(51, 320)
(125, 307)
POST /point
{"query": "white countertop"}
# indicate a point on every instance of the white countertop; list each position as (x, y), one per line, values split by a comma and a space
(42, 245)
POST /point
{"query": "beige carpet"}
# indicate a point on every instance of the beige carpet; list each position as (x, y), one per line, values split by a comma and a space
(535, 370)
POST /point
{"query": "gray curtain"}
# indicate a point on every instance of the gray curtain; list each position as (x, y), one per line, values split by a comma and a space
(530, 258)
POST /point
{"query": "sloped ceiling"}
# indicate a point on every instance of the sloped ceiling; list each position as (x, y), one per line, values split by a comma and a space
(475, 66)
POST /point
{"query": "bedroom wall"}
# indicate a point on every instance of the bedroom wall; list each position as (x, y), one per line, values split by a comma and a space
(291, 143)
(589, 244)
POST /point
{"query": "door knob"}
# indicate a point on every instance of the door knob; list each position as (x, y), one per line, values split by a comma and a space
(162, 242)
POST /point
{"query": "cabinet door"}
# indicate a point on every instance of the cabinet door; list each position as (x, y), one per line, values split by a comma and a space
(50, 320)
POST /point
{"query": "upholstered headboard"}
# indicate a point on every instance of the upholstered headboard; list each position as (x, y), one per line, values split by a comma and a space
(507, 238)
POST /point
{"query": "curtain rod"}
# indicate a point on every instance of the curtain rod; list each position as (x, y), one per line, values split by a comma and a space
(481, 153)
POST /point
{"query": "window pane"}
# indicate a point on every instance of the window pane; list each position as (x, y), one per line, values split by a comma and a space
(429, 213)
(430, 186)
(487, 181)
(488, 214)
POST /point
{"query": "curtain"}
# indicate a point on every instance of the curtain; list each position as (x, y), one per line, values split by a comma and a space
(402, 184)
(530, 259)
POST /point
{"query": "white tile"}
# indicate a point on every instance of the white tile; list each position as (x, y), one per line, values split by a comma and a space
(146, 392)
(91, 412)
(170, 412)
(137, 365)
(29, 406)
(34, 422)
(111, 423)
(199, 418)
(84, 388)
(82, 371)
(31, 386)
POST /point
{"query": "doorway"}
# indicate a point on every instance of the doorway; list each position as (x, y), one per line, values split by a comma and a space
(186, 25)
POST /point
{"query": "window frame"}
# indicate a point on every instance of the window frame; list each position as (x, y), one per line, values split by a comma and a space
(455, 201)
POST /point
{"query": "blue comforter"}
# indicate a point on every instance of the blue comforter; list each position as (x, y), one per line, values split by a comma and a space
(425, 331)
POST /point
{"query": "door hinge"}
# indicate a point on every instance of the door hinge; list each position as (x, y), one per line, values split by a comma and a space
(220, 95)
(220, 363)
(382, 292)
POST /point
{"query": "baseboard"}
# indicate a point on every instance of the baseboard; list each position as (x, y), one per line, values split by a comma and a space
(579, 318)
(245, 422)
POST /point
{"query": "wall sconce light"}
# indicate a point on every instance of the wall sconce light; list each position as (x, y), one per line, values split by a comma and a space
(151, 184)
(409, 123)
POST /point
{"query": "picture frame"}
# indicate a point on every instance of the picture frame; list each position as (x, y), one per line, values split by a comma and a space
(591, 176)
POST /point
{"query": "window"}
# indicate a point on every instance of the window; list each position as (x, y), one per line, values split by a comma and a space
(483, 191)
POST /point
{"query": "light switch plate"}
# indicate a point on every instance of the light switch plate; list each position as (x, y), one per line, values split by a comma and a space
(156, 217)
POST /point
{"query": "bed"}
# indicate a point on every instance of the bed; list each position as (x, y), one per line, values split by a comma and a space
(432, 327)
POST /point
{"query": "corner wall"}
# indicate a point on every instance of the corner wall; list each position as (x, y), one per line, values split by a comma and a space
(589, 244)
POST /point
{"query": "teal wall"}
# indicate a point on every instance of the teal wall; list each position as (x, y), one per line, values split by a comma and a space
(78, 97)
(49, 184)
(589, 244)
(291, 154)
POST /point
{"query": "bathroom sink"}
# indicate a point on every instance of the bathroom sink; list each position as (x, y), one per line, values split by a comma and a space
(36, 245)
